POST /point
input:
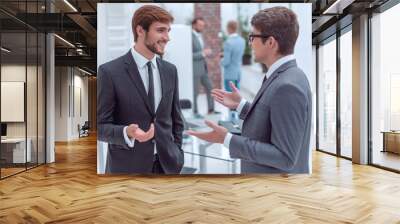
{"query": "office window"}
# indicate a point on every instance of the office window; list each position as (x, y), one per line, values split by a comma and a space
(346, 94)
(327, 97)
(385, 89)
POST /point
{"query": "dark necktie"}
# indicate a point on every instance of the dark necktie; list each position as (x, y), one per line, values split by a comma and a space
(151, 87)
(265, 79)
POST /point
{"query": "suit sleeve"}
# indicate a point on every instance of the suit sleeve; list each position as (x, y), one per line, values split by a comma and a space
(288, 123)
(197, 55)
(107, 130)
(178, 125)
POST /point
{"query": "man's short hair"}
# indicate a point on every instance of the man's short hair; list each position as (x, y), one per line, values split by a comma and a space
(148, 14)
(194, 21)
(233, 25)
(281, 23)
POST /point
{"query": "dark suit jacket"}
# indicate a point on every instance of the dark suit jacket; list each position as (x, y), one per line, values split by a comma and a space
(122, 100)
(199, 62)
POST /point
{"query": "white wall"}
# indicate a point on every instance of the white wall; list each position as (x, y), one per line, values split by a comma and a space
(15, 73)
(229, 11)
(68, 81)
(61, 103)
(179, 52)
(183, 13)
(12, 101)
(80, 100)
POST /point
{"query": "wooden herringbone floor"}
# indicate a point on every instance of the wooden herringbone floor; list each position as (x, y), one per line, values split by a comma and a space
(69, 191)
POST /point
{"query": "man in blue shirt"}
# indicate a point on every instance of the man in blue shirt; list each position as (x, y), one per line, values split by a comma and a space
(233, 53)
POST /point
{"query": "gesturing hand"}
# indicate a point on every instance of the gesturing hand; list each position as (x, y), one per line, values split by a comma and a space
(207, 52)
(133, 131)
(217, 135)
(228, 99)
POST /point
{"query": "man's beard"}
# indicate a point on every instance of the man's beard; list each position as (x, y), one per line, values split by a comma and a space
(152, 47)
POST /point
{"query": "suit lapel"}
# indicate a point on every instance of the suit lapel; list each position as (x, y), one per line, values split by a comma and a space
(267, 83)
(133, 72)
(196, 41)
(163, 79)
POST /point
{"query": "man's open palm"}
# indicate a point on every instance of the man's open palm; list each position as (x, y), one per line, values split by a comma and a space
(228, 99)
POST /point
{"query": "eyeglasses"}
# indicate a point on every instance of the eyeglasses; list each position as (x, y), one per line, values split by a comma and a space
(252, 36)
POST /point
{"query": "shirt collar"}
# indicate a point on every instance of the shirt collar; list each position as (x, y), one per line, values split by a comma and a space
(233, 35)
(278, 64)
(141, 61)
(196, 33)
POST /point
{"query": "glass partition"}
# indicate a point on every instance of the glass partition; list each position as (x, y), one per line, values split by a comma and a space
(13, 104)
(346, 94)
(327, 97)
(22, 88)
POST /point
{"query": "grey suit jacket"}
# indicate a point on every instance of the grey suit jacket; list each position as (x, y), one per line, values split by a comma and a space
(277, 125)
(199, 62)
(122, 100)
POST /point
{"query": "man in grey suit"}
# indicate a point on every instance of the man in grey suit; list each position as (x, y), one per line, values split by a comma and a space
(200, 71)
(276, 128)
(139, 91)
(232, 56)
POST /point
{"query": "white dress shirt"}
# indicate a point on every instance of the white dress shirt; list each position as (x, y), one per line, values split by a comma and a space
(271, 70)
(141, 63)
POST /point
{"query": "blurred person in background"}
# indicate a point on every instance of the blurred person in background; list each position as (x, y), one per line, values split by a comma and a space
(200, 71)
(232, 59)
